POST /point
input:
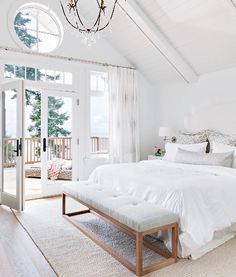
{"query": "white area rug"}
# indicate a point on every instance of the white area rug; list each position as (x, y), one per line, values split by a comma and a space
(72, 254)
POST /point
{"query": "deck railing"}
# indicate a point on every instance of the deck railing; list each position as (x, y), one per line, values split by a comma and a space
(58, 147)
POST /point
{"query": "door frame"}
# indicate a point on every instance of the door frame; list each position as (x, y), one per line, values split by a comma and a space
(15, 202)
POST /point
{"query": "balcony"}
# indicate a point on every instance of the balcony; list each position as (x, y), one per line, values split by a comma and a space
(58, 147)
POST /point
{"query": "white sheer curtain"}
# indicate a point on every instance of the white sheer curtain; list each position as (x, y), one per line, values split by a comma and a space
(123, 108)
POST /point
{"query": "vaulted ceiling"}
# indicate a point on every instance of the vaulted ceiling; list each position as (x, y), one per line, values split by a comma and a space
(167, 40)
(176, 39)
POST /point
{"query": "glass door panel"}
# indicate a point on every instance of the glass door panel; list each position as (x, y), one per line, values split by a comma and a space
(58, 145)
(9, 133)
(11, 147)
(32, 143)
(59, 154)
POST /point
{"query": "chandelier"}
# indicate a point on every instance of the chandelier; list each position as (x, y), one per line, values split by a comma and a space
(72, 10)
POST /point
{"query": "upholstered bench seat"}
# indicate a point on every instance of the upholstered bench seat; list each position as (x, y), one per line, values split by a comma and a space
(129, 210)
(133, 215)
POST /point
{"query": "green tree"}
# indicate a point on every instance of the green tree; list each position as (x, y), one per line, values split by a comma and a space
(56, 119)
(20, 23)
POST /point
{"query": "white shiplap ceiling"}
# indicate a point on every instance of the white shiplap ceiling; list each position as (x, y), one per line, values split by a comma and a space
(134, 46)
(202, 31)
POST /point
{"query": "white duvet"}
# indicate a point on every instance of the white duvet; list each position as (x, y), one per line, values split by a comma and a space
(203, 196)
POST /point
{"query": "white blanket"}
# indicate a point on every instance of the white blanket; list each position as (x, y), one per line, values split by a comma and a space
(203, 196)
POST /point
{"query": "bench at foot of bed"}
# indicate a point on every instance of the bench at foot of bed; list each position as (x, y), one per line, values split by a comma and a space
(135, 217)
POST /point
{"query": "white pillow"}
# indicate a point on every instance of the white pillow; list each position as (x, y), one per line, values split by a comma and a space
(220, 148)
(171, 149)
(217, 159)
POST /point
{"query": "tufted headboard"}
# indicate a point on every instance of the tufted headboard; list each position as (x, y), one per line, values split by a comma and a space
(221, 117)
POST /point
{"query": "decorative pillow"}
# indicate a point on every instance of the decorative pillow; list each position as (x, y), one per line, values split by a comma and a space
(221, 148)
(217, 159)
(190, 138)
(214, 136)
(67, 165)
(172, 148)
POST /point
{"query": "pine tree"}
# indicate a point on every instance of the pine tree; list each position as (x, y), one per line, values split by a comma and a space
(21, 22)
(56, 119)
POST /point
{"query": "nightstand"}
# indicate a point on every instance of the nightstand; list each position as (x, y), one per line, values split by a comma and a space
(153, 157)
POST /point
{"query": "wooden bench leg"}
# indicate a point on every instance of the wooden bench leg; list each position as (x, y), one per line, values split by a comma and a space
(175, 242)
(139, 254)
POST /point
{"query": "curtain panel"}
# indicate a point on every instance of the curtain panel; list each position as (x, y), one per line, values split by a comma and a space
(123, 110)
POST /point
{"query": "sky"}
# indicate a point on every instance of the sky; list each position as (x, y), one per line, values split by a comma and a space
(10, 114)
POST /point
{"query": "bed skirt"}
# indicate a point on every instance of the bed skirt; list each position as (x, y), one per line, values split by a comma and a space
(220, 238)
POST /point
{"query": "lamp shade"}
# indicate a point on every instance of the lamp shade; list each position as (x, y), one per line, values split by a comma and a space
(167, 132)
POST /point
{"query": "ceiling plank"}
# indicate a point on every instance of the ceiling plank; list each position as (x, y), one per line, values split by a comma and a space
(158, 39)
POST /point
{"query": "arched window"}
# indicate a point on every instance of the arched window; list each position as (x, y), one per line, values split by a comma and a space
(38, 28)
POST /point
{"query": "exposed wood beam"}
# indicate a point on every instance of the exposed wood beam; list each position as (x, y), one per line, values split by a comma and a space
(158, 39)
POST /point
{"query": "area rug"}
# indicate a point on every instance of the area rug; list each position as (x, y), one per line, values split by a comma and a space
(72, 254)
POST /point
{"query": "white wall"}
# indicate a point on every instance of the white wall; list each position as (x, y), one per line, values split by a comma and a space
(147, 117)
(178, 100)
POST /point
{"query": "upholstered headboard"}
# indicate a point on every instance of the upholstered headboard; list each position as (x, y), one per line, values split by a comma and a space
(221, 117)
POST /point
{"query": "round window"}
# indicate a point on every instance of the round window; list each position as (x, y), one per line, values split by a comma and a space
(38, 29)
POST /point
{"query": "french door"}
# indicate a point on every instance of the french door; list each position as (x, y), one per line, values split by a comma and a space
(11, 145)
(51, 150)
(58, 140)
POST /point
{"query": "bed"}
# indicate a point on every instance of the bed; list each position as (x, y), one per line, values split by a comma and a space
(203, 196)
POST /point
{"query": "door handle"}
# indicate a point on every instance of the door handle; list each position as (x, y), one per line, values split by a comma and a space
(44, 145)
(17, 150)
(20, 147)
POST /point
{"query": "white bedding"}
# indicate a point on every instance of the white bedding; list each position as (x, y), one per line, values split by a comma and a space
(203, 196)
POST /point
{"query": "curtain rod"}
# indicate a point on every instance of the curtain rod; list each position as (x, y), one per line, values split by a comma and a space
(70, 59)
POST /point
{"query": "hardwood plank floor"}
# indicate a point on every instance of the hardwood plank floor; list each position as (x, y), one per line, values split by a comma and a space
(18, 254)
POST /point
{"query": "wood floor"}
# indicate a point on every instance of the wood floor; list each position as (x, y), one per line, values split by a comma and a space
(18, 254)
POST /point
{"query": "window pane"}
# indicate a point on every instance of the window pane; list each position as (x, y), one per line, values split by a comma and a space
(59, 77)
(37, 29)
(99, 114)
(36, 74)
(93, 83)
(26, 19)
(29, 38)
(9, 71)
(20, 72)
(30, 73)
(50, 75)
(46, 23)
(47, 42)
(41, 74)
(68, 78)
(8, 139)
(99, 81)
